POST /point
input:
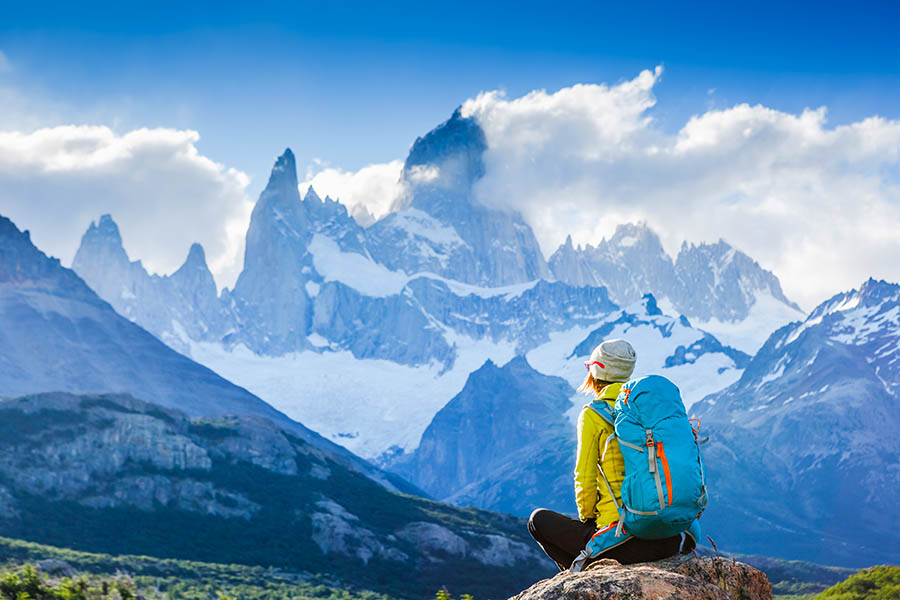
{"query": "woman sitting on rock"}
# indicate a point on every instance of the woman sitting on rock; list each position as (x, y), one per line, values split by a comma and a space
(563, 538)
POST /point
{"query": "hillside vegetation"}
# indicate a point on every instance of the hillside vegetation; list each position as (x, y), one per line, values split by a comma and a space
(874, 583)
(63, 574)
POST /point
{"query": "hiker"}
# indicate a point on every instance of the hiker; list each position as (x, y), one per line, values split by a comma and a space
(562, 538)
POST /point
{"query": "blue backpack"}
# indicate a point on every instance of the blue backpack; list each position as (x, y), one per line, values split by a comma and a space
(664, 491)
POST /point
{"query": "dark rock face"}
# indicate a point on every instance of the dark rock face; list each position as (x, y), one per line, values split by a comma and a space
(499, 412)
(680, 578)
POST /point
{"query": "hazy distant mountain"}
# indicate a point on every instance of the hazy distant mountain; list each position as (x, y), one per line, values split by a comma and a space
(174, 307)
(57, 335)
(804, 449)
(714, 285)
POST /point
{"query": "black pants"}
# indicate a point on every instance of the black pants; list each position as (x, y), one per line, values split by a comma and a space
(563, 538)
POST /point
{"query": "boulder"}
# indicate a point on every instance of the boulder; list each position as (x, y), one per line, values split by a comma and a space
(682, 577)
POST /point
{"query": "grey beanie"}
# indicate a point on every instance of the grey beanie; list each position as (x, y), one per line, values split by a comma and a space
(612, 360)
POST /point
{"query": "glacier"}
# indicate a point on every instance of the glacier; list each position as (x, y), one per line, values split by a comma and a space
(365, 332)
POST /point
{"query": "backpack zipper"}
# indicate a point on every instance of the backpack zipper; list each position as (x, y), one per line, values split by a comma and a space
(665, 466)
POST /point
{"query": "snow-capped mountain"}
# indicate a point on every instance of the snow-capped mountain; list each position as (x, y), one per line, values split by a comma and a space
(804, 448)
(406, 307)
(717, 286)
(439, 227)
(507, 440)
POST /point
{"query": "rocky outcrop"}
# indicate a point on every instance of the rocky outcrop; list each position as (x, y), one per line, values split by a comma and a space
(110, 473)
(680, 578)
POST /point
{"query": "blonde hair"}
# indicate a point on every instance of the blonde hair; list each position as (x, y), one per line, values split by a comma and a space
(591, 386)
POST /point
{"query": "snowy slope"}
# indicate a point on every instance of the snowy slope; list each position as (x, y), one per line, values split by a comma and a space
(507, 440)
(804, 447)
(721, 289)
(695, 360)
(364, 333)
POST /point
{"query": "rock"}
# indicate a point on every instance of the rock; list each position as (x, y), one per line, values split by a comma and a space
(56, 567)
(682, 577)
(431, 538)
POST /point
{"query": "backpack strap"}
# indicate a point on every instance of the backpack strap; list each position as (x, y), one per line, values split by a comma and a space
(605, 412)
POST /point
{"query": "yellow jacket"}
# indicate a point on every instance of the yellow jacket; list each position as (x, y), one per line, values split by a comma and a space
(591, 494)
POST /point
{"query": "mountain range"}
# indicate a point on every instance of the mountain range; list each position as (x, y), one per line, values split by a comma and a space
(804, 448)
(174, 461)
(414, 302)
(438, 343)
(58, 335)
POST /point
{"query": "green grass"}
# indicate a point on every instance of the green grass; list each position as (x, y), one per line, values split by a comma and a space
(156, 578)
(874, 583)
(795, 579)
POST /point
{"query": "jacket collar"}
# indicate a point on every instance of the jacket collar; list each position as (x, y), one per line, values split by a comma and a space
(610, 392)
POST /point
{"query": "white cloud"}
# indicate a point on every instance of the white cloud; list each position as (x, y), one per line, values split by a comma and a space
(819, 205)
(373, 188)
(158, 187)
(5, 65)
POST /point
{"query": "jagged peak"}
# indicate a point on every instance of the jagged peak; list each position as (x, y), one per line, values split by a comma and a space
(106, 228)
(486, 367)
(312, 196)
(196, 255)
(284, 172)
(638, 234)
(878, 289)
(872, 292)
(102, 238)
(456, 135)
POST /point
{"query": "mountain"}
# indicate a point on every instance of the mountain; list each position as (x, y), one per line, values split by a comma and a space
(184, 305)
(412, 338)
(408, 306)
(497, 412)
(717, 286)
(439, 227)
(804, 449)
(506, 442)
(56, 334)
(109, 473)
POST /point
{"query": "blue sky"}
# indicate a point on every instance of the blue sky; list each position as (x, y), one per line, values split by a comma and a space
(729, 149)
(354, 83)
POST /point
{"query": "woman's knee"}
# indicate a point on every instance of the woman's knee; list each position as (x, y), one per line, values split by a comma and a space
(537, 517)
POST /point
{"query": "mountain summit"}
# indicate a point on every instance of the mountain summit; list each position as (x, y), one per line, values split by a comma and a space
(441, 227)
(806, 441)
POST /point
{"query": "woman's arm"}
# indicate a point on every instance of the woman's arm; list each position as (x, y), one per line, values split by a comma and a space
(586, 469)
